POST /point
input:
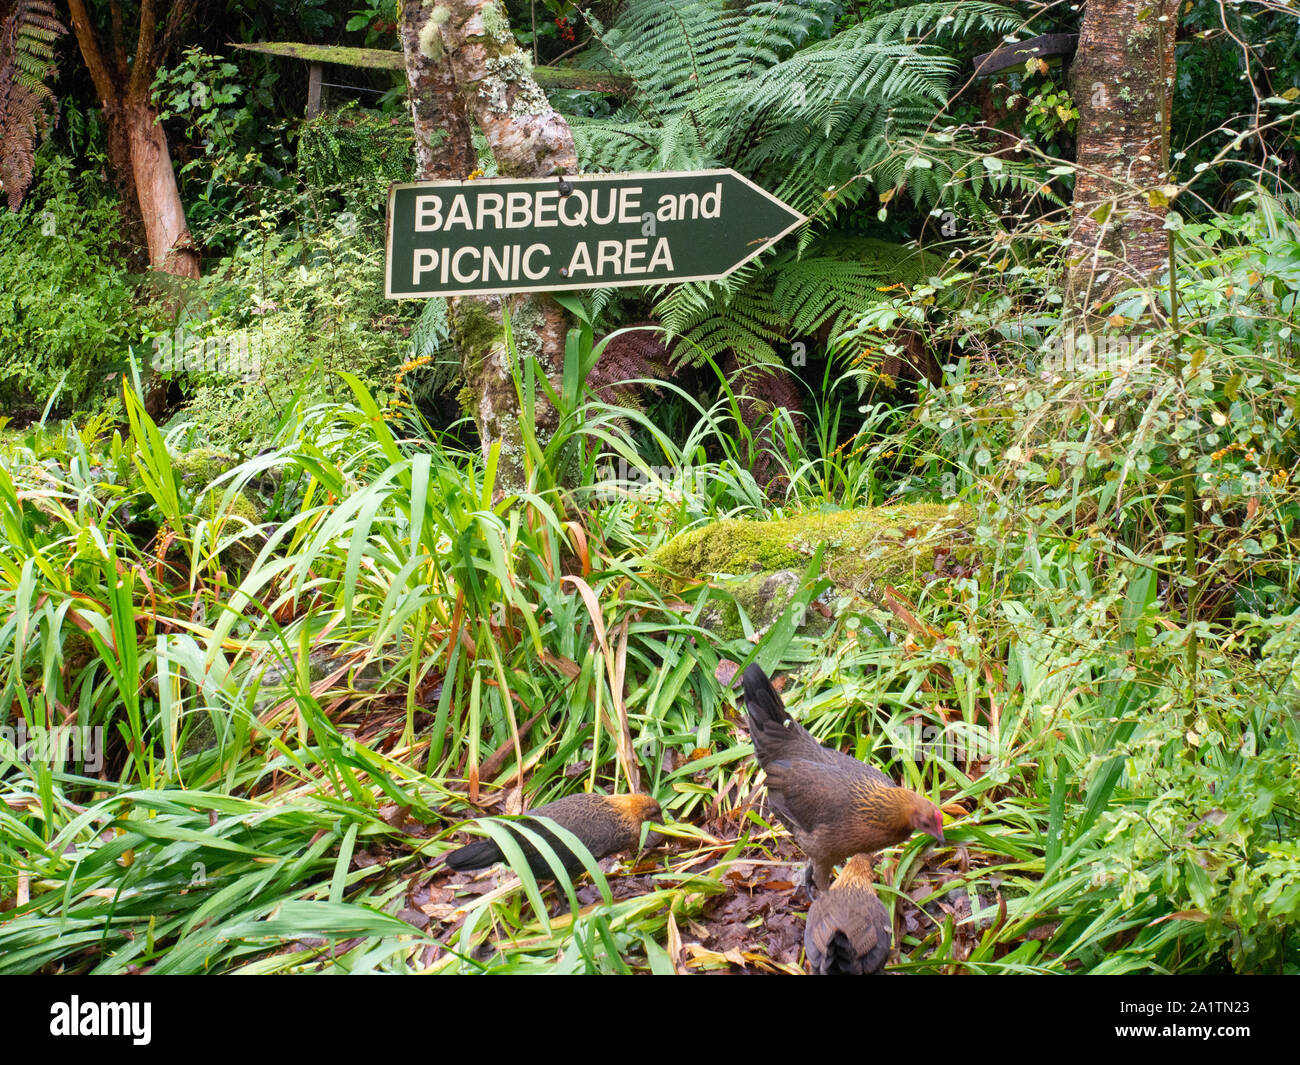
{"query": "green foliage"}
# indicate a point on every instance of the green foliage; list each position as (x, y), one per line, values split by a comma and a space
(377, 20)
(299, 298)
(819, 121)
(405, 541)
(230, 159)
(350, 144)
(1230, 62)
(763, 307)
(67, 311)
(1158, 696)
(1038, 105)
(358, 622)
(755, 88)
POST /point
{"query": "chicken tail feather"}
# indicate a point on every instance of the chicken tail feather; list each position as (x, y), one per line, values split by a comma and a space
(474, 855)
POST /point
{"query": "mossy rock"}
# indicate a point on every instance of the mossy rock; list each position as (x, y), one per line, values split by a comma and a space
(866, 551)
(198, 468)
(763, 597)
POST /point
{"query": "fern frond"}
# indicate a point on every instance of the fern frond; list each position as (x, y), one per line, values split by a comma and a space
(819, 123)
(615, 146)
(28, 106)
(932, 22)
(831, 286)
(758, 312)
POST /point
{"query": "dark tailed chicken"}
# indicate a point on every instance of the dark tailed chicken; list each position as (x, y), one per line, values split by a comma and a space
(834, 805)
(848, 930)
(605, 824)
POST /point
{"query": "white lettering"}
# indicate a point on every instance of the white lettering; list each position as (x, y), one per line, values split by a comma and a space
(629, 211)
(581, 261)
(489, 205)
(455, 265)
(612, 205)
(426, 259)
(527, 261)
(428, 214)
(459, 213)
(546, 205)
(580, 217)
(715, 196)
(632, 257)
(662, 256)
(607, 251)
(519, 210)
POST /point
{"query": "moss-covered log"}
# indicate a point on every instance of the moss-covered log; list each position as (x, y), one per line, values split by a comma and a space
(572, 78)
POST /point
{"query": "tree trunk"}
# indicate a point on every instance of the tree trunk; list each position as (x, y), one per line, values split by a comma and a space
(463, 65)
(444, 148)
(137, 146)
(1121, 78)
(137, 149)
(171, 249)
(118, 142)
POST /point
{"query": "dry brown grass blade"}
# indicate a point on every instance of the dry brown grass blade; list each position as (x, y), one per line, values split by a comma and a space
(614, 672)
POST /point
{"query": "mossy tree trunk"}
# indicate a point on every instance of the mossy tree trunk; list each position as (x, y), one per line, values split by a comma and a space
(1120, 81)
(463, 66)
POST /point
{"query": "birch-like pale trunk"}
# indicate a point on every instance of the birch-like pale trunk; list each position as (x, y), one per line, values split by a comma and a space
(463, 66)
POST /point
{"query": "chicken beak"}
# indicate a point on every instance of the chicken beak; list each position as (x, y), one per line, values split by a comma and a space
(938, 828)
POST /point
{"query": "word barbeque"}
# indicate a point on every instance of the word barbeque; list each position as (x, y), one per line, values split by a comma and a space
(468, 238)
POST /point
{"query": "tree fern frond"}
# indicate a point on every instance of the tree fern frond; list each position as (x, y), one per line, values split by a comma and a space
(27, 105)
(748, 325)
(931, 21)
(682, 306)
(677, 50)
(822, 123)
(819, 124)
(759, 312)
(829, 288)
(615, 146)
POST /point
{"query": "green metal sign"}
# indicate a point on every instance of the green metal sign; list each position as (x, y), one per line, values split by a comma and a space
(467, 238)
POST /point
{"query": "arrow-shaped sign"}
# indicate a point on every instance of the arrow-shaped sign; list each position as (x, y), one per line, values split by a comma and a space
(466, 238)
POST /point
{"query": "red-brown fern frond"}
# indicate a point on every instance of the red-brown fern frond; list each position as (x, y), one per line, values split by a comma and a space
(28, 106)
(635, 354)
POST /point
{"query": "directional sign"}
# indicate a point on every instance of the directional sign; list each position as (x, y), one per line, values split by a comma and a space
(466, 238)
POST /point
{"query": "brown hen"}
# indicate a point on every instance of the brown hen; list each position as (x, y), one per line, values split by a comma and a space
(833, 805)
(848, 931)
(605, 824)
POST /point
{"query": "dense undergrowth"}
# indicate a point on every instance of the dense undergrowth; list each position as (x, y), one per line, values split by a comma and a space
(263, 664)
(299, 711)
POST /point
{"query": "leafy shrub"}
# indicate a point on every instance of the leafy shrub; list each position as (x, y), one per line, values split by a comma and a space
(67, 311)
(300, 298)
(353, 143)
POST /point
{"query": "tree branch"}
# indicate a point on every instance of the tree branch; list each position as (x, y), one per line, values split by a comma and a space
(144, 69)
(119, 48)
(105, 84)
